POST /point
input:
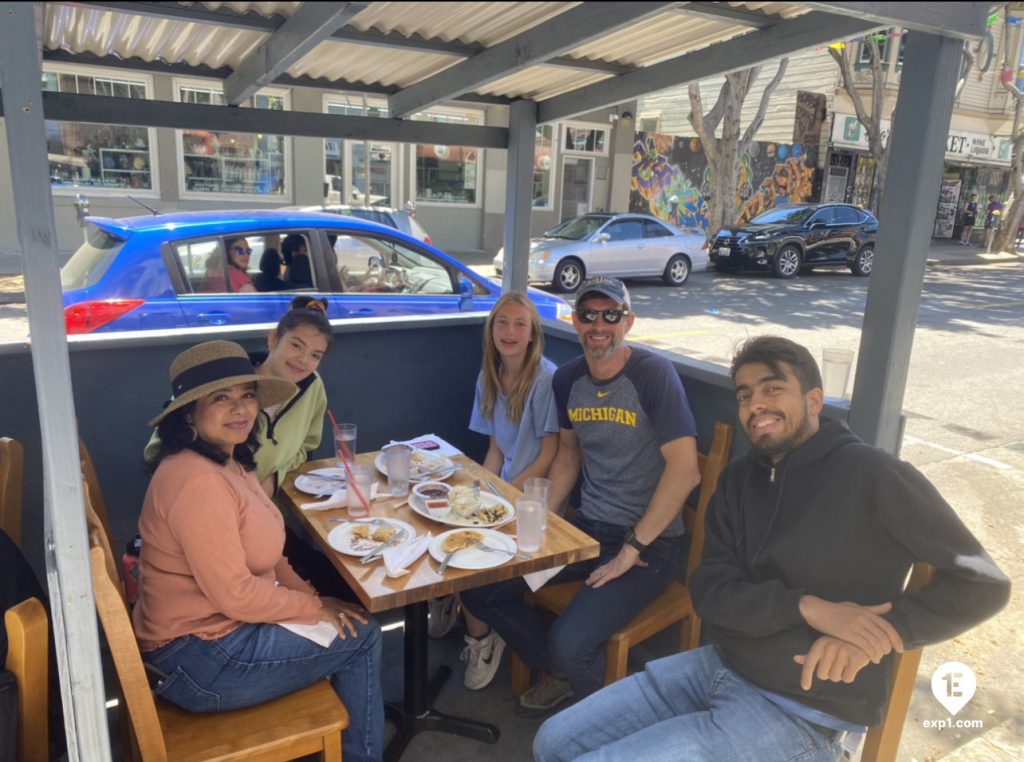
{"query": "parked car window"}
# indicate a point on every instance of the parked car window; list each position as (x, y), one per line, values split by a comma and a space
(845, 215)
(375, 265)
(626, 230)
(579, 228)
(653, 229)
(863, 217)
(93, 258)
(823, 216)
(204, 262)
(788, 215)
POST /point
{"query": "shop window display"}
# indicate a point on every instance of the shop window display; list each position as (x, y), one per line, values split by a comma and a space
(232, 162)
(447, 174)
(97, 155)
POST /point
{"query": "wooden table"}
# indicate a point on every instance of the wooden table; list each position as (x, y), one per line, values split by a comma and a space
(563, 544)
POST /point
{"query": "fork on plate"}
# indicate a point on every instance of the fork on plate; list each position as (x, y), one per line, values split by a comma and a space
(481, 545)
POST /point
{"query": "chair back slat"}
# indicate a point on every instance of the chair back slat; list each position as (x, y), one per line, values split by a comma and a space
(92, 484)
(124, 649)
(882, 742)
(711, 467)
(11, 474)
(27, 659)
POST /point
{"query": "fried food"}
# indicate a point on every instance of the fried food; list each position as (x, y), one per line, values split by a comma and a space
(374, 533)
(460, 540)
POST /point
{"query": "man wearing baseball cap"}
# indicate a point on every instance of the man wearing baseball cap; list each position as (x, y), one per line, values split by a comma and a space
(626, 427)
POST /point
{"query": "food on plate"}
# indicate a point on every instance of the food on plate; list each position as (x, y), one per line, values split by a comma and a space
(373, 533)
(423, 463)
(474, 508)
(459, 540)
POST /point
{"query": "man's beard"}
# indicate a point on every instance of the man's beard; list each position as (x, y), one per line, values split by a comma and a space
(602, 353)
(773, 449)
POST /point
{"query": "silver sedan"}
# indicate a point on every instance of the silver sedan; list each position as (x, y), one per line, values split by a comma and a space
(622, 245)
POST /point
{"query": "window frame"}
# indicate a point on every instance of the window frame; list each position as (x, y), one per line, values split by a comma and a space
(478, 200)
(215, 85)
(563, 129)
(551, 168)
(104, 72)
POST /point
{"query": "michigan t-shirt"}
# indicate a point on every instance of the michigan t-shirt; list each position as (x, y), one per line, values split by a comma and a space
(621, 425)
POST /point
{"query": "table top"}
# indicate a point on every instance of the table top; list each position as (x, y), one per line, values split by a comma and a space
(563, 543)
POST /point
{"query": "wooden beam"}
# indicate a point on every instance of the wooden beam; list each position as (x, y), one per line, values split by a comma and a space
(738, 53)
(556, 36)
(96, 109)
(310, 25)
(415, 43)
(964, 21)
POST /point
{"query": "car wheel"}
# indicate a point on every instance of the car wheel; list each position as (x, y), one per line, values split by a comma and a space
(787, 262)
(676, 271)
(568, 275)
(864, 262)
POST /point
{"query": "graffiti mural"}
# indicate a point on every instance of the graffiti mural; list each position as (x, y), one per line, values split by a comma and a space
(671, 179)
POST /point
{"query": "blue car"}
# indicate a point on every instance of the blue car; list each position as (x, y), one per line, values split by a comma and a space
(191, 269)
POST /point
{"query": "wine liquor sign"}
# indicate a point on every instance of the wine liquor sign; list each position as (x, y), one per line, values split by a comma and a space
(961, 147)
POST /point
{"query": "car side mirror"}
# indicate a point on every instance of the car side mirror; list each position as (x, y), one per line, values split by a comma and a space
(603, 238)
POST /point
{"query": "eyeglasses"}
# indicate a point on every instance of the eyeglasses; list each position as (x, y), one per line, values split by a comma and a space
(611, 316)
(240, 251)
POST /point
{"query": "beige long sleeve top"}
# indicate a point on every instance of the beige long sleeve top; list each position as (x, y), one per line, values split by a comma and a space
(212, 557)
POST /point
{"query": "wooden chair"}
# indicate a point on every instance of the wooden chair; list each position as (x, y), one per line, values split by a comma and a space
(93, 491)
(27, 659)
(672, 606)
(11, 468)
(309, 721)
(883, 741)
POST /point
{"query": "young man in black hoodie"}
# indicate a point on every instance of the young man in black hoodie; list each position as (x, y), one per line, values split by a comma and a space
(809, 540)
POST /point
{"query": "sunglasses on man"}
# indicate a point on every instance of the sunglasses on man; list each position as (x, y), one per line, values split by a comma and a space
(611, 316)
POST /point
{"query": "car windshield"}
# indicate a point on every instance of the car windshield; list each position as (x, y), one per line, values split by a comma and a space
(577, 229)
(93, 258)
(789, 215)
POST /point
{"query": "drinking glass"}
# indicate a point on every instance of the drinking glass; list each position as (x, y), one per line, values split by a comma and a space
(835, 371)
(538, 488)
(529, 524)
(361, 478)
(345, 437)
(398, 458)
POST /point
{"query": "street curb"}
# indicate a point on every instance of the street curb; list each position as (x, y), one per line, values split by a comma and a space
(973, 261)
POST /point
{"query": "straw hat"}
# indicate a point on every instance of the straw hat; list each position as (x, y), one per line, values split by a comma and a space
(214, 365)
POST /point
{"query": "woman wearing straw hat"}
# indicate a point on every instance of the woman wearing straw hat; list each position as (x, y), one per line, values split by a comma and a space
(214, 583)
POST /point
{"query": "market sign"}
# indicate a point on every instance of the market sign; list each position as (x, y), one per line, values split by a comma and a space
(966, 147)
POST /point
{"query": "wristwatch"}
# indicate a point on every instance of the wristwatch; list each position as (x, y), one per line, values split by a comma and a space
(630, 539)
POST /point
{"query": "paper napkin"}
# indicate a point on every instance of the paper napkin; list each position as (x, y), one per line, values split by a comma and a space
(397, 560)
(537, 580)
(321, 633)
(336, 500)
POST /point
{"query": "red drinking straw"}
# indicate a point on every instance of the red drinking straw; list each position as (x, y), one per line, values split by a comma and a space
(346, 459)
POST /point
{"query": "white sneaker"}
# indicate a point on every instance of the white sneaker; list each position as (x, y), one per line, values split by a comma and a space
(443, 613)
(482, 657)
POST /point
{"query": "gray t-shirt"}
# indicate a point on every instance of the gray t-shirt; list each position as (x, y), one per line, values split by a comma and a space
(621, 425)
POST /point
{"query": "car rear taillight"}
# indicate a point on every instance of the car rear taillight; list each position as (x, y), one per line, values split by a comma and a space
(427, 241)
(704, 247)
(86, 317)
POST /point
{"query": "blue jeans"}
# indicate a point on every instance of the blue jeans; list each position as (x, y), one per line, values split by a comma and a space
(573, 647)
(259, 662)
(690, 706)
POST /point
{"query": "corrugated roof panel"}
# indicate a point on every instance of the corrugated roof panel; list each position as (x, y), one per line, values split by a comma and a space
(266, 10)
(483, 23)
(363, 63)
(541, 82)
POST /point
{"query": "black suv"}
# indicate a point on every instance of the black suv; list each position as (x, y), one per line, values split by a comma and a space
(792, 237)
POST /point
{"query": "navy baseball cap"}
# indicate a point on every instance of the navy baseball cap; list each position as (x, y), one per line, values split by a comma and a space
(602, 285)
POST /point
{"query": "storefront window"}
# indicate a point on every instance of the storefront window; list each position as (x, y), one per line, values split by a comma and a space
(338, 153)
(591, 140)
(542, 166)
(97, 155)
(232, 162)
(447, 174)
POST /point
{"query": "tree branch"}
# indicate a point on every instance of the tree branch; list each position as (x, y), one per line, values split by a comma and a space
(700, 123)
(762, 107)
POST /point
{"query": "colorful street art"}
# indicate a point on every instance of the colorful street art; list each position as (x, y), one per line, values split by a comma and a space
(671, 179)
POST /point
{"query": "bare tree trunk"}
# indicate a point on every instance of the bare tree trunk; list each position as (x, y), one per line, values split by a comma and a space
(723, 154)
(1006, 237)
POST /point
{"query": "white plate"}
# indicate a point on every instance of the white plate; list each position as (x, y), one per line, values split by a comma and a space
(434, 476)
(343, 541)
(474, 558)
(312, 484)
(453, 520)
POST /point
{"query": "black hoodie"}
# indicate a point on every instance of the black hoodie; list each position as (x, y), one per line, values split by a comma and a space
(842, 520)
